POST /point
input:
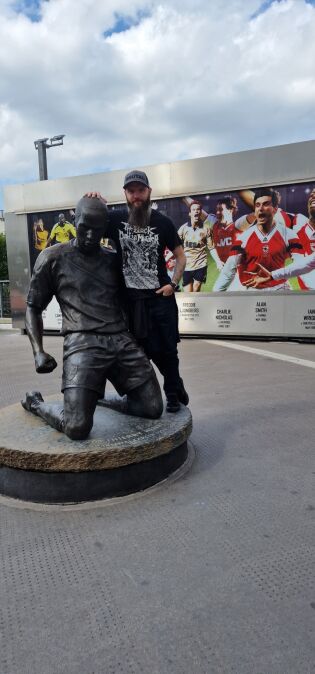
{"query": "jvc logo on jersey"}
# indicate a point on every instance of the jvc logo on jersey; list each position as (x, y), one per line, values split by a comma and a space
(224, 242)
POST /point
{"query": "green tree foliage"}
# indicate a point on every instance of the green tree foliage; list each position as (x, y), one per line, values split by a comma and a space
(4, 274)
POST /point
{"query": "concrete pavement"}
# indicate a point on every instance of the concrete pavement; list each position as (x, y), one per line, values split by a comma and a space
(211, 574)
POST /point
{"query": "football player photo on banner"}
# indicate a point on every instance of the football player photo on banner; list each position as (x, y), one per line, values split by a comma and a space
(228, 237)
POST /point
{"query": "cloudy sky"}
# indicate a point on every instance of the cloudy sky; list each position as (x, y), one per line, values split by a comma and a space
(133, 82)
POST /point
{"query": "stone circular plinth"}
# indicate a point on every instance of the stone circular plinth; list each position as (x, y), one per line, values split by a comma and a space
(122, 455)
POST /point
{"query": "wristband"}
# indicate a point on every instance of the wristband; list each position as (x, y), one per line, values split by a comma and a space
(174, 285)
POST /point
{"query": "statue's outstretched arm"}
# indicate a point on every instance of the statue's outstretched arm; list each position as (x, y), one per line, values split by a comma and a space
(44, 362)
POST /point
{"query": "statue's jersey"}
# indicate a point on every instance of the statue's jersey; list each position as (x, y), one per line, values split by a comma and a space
(88, 288)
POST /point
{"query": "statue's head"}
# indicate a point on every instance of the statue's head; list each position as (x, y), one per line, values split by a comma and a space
(91, 221)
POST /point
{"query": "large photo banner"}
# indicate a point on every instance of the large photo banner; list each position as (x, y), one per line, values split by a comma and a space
(223, 241)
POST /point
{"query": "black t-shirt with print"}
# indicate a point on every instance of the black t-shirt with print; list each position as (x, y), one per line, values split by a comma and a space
(142, 249)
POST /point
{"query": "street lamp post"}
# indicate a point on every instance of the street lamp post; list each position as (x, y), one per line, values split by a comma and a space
(41, 145)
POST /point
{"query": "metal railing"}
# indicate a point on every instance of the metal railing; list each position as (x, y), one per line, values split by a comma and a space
(5, 306)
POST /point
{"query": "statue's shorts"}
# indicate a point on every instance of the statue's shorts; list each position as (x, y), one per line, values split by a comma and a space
(90, 358)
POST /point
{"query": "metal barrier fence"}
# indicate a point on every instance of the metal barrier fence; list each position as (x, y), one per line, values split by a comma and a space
(5, 306)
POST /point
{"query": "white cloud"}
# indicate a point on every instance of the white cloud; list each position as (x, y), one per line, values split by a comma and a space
(189, 79)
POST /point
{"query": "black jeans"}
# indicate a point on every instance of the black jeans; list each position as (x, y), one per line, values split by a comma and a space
(160, 344)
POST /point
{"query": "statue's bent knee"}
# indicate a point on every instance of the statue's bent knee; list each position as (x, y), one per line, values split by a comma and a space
(151, 405)
(78, 431)
(155, 408)
(152, 399)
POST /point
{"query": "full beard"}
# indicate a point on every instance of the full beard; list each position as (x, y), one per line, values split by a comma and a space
(139, 216)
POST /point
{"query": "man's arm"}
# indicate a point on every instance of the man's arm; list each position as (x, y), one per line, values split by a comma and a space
(179, 268)
(212, 249)
(219, 264)
(248, 197)
(181, 233)
(244, 222)
(301, 266)
(180, 264)
(51, 236)
(208, 226)
(227, 274)
(72, 230)
(39, 295)
(44, 362)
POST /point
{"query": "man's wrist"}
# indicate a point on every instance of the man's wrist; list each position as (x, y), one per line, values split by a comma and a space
(174, 285)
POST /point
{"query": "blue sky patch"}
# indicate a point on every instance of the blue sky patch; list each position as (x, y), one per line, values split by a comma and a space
(262, 9)
(267, 3)
(30, 8)
(124, 23)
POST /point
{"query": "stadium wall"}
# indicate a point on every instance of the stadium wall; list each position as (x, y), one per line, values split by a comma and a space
(235, 312)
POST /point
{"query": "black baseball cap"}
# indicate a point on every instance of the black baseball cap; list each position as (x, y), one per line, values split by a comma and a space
(136, 177)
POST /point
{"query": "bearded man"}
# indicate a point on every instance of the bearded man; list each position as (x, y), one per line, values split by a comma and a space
(141, 235)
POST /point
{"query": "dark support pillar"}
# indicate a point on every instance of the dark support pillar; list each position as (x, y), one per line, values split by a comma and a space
(42, 160)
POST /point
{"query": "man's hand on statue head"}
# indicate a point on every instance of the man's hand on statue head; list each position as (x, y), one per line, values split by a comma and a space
(44, 362)
(95, 195)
